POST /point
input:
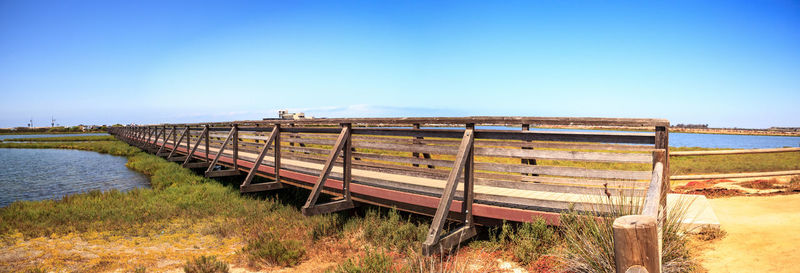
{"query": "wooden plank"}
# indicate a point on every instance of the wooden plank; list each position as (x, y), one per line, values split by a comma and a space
(414, 148)
(632, 138)
(223, 173)
(563, 171)
(566, 155)
(577, 189)
(734, 152)
(652, 200)
(196, 165)
(406, 160)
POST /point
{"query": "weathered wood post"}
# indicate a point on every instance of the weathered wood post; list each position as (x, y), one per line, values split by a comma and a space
(636, 243)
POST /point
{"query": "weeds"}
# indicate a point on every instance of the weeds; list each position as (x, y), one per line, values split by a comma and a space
(205, 264)
(269, 249)
(372, 261)
(710, 234)
(390, 232)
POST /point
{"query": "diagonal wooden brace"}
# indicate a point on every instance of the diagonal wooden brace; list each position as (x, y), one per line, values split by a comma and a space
(464, 162)
(246, 186)
(178, 144)
(166, 138)
(343, 143)
(196, 144)
(210, 171)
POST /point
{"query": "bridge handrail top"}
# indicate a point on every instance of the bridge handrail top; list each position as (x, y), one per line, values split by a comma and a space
(477, 120)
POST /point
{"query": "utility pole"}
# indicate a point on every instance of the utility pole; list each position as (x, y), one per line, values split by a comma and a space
(52, 122)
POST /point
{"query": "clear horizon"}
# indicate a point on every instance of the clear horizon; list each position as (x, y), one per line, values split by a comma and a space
(726, 64)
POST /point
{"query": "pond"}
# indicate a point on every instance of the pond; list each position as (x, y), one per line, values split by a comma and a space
(37, 174)
(10, 137)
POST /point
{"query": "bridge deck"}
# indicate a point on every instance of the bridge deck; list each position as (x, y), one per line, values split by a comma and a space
(417, 194)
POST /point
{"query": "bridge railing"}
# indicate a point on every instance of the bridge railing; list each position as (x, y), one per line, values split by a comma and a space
(511, 165)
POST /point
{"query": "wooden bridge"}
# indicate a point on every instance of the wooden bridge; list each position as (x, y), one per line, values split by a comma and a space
(468, 169)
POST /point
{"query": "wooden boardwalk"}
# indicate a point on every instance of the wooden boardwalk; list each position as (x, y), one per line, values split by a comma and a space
(472, 169)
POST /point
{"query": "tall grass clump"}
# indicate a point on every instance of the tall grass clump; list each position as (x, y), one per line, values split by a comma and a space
(527, 241)
(205, 264)
(104, 147)
(391, 232)
(589, 236)
(371, 261)
(270, 249)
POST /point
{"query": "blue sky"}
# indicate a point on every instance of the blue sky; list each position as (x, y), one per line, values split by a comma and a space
(725, 63)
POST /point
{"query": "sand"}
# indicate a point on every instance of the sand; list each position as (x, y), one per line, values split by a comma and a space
(763, 235)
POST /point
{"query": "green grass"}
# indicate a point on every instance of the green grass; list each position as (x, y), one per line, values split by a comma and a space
(106, 147)
(65, 138)
(205, 264)
(270, 249)
(709, 164)
(371, 261)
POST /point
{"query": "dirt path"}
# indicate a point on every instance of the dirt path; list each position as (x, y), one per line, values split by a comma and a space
(763, 235)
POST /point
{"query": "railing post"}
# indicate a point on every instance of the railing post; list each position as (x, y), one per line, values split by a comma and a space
(278, 154)
(417, 141)
(207, 146)
(636, 243)
(528, 161)
(662, 142)
(235, 146)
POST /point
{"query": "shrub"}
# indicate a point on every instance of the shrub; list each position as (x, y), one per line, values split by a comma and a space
(205, 264)
(270, 249)
(532, 240)
(327, 225)
(391, 231)
(372, 261)
(710, 234)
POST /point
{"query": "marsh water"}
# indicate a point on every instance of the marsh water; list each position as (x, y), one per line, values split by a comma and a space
(12, 137)
(36, 174)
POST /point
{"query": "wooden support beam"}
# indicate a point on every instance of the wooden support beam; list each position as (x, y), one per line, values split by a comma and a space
(246, 187)
(177, 158)
(196, 165)
(196, 144)
(235, 147)
(177, 144)
(166, 137)
(222, 173)
(211, 166)
(636, 243)
(343, 143)
(464, 162)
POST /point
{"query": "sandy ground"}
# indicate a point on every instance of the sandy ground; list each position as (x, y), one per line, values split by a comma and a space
(763, 235)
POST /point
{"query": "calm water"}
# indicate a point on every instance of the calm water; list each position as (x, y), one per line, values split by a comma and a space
(9, 137)
(36, 174)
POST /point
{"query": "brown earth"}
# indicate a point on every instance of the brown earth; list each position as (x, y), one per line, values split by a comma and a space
(762, 235)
